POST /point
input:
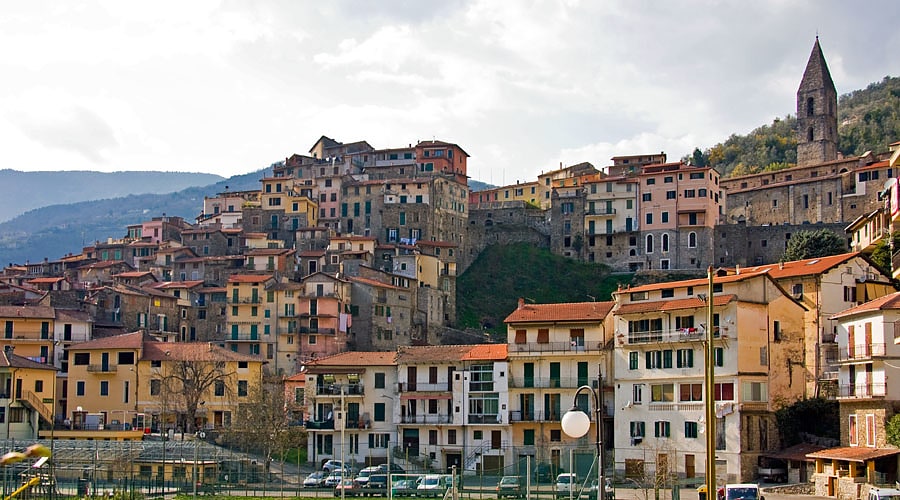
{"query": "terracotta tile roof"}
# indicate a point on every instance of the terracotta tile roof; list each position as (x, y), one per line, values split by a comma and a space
(450, 353)
(487, 352)
(269, 251)
(672, 305)
(29, 312)
(891, 301)
(37, 281)
(803, 267)
(192, 351)
(249, 278)
(133, 340)
(854, 453)
(64, 315)
(357, 358)
(698, 282)
(371, 282)
(178, 284)
(312, 253)
(798, 452)
(13, 360)
(573, 311)
(132, 274)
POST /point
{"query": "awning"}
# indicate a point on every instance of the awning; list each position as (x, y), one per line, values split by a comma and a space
(797, 453)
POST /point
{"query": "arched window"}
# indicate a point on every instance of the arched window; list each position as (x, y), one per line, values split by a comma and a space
(809, 134)
(665, 243)
(649, 243)
(692, 240)
(632, 253)
(810, 106)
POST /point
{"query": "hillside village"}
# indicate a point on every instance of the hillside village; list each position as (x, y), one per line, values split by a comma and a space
(338, 276)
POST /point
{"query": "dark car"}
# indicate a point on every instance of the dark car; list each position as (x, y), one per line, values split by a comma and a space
(348, 488)
(510, 486)
(542, 473)
(376, 486)
(395, 469)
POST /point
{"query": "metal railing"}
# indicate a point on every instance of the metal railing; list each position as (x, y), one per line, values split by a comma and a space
(545, 347)
(550, 382)
(425, 419)
(676, 335)
(335, 389)
(862, 390)
(420, 387)
(102, 368)
(861, 351)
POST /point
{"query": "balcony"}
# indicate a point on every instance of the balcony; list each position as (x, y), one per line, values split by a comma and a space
(245, 300)
(243, 337)
(102, 368)
(486, 419)
(861, 391)
(662, 336)
(321, 425)
(335, 389)
(420, 387)
(550, 383)
(601, 211)
(860, 352)
(425, 419)
(322, 331)
(534, 416)
(549, 347)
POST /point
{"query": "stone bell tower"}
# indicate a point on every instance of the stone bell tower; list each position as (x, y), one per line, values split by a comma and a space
(816, 112)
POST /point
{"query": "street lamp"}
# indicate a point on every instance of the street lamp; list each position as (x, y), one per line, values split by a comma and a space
(576, 423)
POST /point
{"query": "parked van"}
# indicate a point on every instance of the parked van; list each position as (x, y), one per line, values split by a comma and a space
(566, 484)
(745, 491)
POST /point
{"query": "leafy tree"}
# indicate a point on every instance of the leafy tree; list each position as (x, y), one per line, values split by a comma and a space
(881, 255)
(698, 159)
(812, 244)
(816, 416)
(263, 424)
(893, 430)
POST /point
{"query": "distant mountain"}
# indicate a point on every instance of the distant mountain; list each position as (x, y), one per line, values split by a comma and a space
(27, 190)
(479, 186)
(54, 231)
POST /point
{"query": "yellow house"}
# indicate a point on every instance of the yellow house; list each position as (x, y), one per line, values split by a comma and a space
(29, 329)
(27, 395)
(124, 386)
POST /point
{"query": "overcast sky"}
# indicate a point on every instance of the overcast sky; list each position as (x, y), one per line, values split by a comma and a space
(230, 87)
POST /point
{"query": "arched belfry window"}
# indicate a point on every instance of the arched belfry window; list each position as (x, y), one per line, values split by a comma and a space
(665, 243)
(692, 240)
(810, 106)
(809, 134)
(649, 243)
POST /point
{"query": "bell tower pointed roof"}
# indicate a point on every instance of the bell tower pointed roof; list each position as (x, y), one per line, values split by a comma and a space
(816, 73)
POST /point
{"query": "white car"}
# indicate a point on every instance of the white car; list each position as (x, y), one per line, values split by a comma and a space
(335, 477)
(314, 480)
(363, 477)
(331, 465)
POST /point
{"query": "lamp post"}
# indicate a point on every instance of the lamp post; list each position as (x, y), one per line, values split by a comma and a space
(710, 376)
(576, 423)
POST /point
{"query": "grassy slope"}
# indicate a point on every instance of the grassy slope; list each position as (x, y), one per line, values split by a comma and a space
(490, 288)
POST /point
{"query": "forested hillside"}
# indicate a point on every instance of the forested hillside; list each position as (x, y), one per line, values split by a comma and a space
(868, 120)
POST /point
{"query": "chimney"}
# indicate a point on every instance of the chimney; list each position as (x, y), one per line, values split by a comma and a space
(781, 265)
(737, 269)
(521, 302)
(8, 349)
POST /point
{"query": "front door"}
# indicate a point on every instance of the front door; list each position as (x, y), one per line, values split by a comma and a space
(496, 440)
(411, 378)
(689, 467)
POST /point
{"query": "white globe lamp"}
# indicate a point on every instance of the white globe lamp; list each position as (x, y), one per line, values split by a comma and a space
(575, 423)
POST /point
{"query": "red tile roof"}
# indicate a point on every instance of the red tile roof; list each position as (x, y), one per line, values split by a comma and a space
(249, 278)
(178, 284)
(13, 360)
(29, 312)
(132, 274)
(450, 353)
(133, 340)
(672, 305)
(45, 280)
(573, 311)
(487, 352)
(698, 282)
(891, 301)
(192, 351)
(854, 453)
(803, 267)
(357, 358)
(371, 282)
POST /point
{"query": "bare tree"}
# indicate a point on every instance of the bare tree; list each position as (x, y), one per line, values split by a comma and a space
(263, 422)
(186, 384)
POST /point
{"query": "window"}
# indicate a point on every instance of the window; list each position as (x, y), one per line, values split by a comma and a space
(853, 431)
(451, 436)
(664, 217)
(155, 385)
(724, 391)
(104, 387)
(528, 437)
(646, 197)
(636, 429)
(555, 435)
(662, 393)
(667, 293)
(661, 428)
(719, 355)
(219, 388)
(651, 181)
(670, 195)
(690, 429)
(754, 391)
(242, 388)
(82, 358)
(690, 392)
(637, 394)
(379, 412)
(684, 358)
(633, 360)
(38, 386)
(870, 430)
(432, 436)
(379, 380)
(649, 218)
(690, 193)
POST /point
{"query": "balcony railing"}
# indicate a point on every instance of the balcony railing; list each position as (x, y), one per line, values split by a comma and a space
(600, 211)
(102, 368)
(243, 337)
(543, 347)
(677, 335)
(862, 390)
(486, 419)
(534, 416)
(550, 383)
(861, 351)
(420, 387)
(335, 389)
(425, 419)
(245, 300)
(323, 331)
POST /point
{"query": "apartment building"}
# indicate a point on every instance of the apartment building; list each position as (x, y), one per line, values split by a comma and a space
(28, 392)
(30, 330)
(323, 314)
(250, 321)
(660, 345)
(351, 397)
(553, 350)
(452, 410)
(527, 192)
(612, 223)
(865, 354)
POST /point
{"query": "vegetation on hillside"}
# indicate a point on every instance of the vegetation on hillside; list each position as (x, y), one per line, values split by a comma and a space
(868, 120)
(812, 244)
(813, 417)
(490, 288)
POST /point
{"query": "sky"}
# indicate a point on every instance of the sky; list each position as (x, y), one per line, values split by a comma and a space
(229, 87)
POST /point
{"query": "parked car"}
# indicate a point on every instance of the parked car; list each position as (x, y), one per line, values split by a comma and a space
(363, 477)
(542, 473)
(565, 484)
(433, 485)
(377, 486)
(510, 486)
(314, 480)
(334, 479)
(395, 469)
(608, 490)
(348, 487)
(404, 488)
(333, 465)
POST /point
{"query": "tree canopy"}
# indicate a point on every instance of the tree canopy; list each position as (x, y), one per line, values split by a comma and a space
(812, 244)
